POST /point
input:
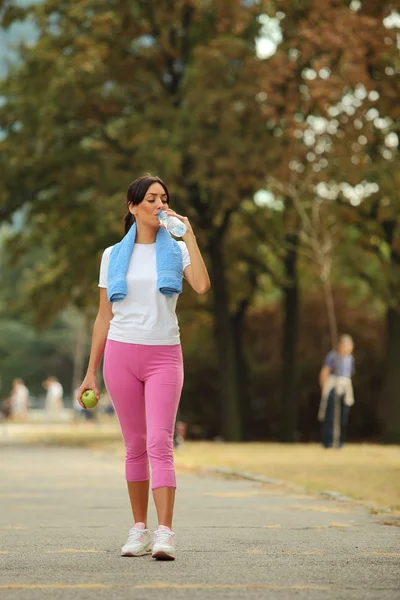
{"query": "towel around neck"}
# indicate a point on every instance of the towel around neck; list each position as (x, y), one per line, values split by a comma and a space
(168, 260)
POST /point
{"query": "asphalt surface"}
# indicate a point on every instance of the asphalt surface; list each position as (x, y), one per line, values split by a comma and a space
(64, 515)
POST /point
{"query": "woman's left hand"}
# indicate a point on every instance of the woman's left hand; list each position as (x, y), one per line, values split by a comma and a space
(185, 220)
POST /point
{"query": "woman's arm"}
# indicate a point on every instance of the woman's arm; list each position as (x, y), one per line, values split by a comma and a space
(100, 331)
(196, 273)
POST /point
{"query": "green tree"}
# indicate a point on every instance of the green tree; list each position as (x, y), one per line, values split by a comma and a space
(177, 88)
(336, 59)
(107, 93)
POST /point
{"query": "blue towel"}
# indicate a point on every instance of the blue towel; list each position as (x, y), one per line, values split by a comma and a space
(168, 259)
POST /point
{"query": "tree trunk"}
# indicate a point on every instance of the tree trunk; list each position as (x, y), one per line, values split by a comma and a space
(330, 311)
(229, 388)
(242, 370)
(289, 346)
(391, 404)
(391, 386)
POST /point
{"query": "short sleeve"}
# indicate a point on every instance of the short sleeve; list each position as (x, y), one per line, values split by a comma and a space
(185, 254)
(103, 279)
(330, 360)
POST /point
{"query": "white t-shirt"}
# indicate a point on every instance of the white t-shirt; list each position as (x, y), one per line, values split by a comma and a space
(54, 396)
(55, 391)
(144, 316)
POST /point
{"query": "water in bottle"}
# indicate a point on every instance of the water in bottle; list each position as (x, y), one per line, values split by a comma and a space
(172, 224)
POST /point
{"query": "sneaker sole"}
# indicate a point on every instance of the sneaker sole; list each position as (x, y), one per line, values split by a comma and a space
(162, 555)
(144, 553)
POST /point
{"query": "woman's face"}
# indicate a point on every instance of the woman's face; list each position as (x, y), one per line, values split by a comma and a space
(154, 200)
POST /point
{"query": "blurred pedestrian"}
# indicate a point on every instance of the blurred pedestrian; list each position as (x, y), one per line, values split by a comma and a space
(109, 409)
(337, 392)
(180, 434)
(54, 403)
(19, 400)
(140, 281)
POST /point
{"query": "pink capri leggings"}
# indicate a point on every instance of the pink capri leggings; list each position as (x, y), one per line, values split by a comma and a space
(145, 384)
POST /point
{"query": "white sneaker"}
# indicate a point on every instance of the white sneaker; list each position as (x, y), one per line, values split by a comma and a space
(138, 544)
(164, 544)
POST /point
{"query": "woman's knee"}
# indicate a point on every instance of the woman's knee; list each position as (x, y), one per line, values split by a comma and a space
(160, 445)
(136, 448)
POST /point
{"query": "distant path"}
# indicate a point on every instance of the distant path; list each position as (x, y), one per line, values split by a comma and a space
(64, 515)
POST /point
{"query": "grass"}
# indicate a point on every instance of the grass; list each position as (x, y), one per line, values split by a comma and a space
(365, 472)
(368, 473)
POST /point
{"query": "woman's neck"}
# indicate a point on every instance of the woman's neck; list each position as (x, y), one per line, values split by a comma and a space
(145, 235)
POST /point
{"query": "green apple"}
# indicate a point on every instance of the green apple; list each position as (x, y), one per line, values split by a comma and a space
(89, 399)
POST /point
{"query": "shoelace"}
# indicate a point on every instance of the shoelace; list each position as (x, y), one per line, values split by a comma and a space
(162, 536)
(136, 535)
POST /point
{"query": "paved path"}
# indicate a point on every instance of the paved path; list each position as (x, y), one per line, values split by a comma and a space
(64, 515)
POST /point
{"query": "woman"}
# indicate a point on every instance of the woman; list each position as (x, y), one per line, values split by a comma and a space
(337, 392)
(137, 328)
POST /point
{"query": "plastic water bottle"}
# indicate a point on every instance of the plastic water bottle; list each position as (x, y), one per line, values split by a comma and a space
(172, 224)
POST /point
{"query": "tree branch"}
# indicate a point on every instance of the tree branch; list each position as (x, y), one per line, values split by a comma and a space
(106, 137)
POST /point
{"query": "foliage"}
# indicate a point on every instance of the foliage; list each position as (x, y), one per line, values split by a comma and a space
(107, 94)
(34, 356)
(177, 88)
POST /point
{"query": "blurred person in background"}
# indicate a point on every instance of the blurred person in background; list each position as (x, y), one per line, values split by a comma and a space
(19, 401)
(54, 397)
(337, 392)
(180, 434)
(108, 409)
(137, 329)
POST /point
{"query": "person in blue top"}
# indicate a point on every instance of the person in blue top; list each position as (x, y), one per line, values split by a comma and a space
(337, 392)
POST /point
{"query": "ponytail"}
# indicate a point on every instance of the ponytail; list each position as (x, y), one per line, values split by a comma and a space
(129, 220)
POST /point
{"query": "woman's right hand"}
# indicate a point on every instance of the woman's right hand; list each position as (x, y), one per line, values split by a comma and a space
(89, 383)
